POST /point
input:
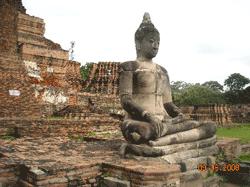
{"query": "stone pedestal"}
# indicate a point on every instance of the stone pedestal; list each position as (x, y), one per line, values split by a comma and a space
(191, 157)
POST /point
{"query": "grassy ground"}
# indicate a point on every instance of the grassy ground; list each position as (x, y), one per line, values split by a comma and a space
(236, 132)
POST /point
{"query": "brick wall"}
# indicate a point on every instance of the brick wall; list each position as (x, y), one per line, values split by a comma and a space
(54, 128)
(13, 77)
(98, 99)
(8, 36)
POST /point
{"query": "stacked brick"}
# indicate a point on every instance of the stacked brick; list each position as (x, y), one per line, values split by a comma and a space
(104, 78)
(98, 99)
(35, 72)
(212, 112)
(59, 128)
(240, 113)
(84, 176)
(8, 36)
(8, 176)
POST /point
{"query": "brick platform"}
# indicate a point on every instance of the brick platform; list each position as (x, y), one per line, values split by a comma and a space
(61, 161)
(66, 162)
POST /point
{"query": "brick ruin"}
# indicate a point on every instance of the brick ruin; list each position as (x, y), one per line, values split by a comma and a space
(240, 113)
(212, 112)
(37, 78)
(221, 114)
(35, 72)
(104, 78)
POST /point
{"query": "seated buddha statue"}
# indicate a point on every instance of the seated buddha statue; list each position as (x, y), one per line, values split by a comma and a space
(151, 117)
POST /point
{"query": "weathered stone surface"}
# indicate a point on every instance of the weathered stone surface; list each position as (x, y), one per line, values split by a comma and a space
(192, 163)
(113, 182)
(184, 155)
(200, 131)
(191, 178)
(231, 147)
(146, 97)
(145, 150)
(211, 181)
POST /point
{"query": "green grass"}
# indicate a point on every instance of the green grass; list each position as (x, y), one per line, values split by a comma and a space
(245, 157)
(236, 132)
(94, 134)
(8, 137)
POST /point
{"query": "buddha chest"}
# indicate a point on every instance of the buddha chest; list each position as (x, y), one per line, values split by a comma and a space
(148, 81)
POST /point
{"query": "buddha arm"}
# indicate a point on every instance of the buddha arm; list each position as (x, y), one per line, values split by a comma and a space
(169, 106)
(126, 89)
(126, 95)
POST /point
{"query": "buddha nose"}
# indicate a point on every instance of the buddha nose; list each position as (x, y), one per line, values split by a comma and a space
(155, 45)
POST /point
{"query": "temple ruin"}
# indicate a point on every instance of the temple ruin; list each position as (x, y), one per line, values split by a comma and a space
(35, 71)
(104, 78)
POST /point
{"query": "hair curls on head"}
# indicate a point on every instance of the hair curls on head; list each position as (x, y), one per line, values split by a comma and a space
(145, 27)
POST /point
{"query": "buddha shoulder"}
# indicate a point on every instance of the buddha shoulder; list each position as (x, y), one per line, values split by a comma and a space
(162, 69)
(128, 66)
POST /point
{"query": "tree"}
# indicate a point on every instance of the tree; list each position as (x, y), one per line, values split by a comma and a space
(198, 94)
(177, 86)
(213, 85)
(84, 70)
(238, 96)
(236, 82)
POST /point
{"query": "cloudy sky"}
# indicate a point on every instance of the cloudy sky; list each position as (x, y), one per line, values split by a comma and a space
(200, 40)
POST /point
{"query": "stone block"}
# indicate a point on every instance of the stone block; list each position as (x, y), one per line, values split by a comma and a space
(230, 147)
(145, 150)
(191, 164)
(191, 178)
(210, 181)
(184, 155)
(113, 182)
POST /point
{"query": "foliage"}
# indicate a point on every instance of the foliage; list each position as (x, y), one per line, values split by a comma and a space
(80, 138)
(8, 137)
(244, 156)
(236, 82)
(198, 94)
(70, 135)
(107, 174)
(238, 96)
(84, 70)
(220, 155)
(213, 85)
(178, 86)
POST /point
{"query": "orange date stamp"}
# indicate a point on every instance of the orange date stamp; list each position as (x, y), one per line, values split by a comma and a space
(216, 167)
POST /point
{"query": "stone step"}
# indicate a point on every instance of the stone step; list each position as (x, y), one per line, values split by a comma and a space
(211, 181)
(113, 182)
(145, 150)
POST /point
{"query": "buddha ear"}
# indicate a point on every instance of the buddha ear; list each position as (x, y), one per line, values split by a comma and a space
(137, 45)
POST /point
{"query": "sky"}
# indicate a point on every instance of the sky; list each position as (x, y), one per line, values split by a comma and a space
(200, 40)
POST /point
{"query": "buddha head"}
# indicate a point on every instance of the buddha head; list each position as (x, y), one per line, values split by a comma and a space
(147, 39)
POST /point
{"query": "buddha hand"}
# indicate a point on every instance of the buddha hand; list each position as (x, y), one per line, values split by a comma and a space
(155, 122)
(178, 119)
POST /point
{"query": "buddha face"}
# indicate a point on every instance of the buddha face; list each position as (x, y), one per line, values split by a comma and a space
(149, 45)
